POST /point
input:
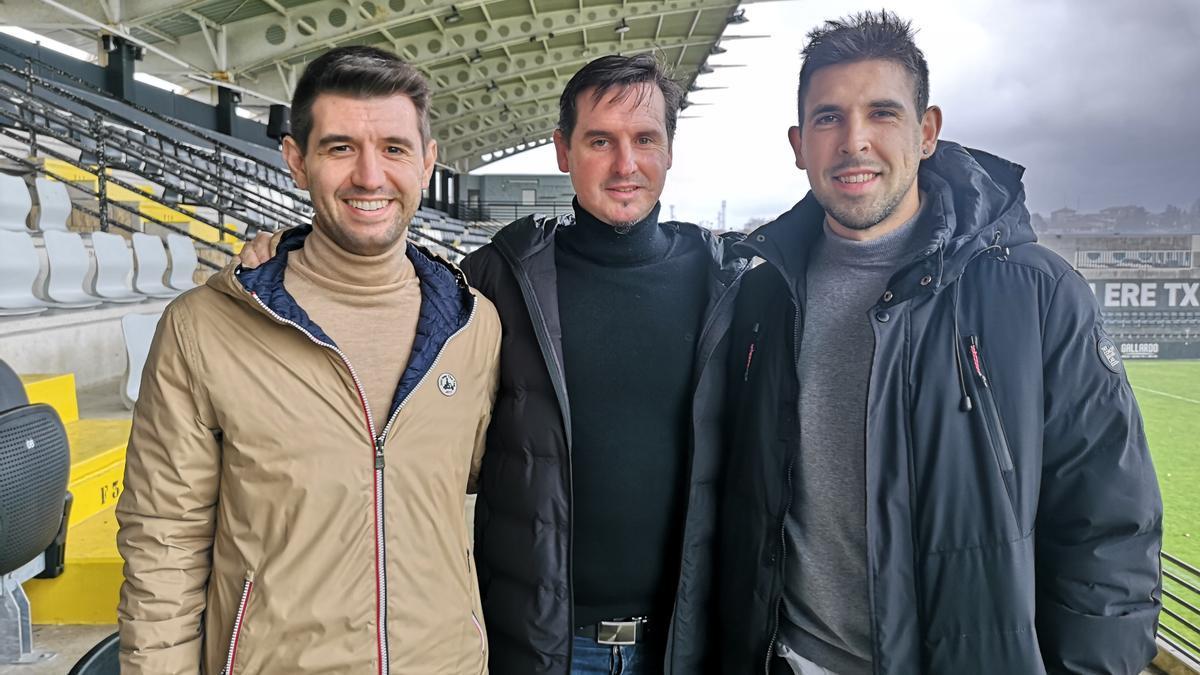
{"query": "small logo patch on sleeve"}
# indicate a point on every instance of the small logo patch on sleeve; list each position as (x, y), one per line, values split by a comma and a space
(1110, 356)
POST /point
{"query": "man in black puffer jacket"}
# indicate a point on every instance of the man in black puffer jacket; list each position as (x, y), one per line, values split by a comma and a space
(594, 525)
(938, 465)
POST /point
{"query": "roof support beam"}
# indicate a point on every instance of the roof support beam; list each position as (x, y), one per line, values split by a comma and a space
(247, 36)
(279, 9)
(112, 10)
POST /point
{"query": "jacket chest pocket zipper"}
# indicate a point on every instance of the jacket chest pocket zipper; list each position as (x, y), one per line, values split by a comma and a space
(992, 422)
(235, 635)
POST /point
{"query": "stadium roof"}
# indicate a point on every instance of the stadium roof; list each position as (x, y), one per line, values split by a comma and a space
(497, 67)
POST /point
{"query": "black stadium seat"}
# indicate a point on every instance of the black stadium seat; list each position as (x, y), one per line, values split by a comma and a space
(34, 466)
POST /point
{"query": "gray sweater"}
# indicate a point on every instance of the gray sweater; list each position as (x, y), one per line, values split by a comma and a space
(825, 616)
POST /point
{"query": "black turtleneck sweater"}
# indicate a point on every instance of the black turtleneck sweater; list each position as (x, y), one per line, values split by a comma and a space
(631, 307)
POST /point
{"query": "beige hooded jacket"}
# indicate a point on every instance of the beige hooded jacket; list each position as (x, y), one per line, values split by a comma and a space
(268, 525)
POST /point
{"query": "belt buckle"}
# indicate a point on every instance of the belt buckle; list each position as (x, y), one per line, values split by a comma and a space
(618, 633)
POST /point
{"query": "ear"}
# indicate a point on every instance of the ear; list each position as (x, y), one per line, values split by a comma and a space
(931, 126)
(430, 162)
(797, 147)
(294, 157)
(560, 149)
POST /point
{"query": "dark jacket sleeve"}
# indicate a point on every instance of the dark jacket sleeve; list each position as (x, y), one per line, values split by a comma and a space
(474, 267)
(1099, 521)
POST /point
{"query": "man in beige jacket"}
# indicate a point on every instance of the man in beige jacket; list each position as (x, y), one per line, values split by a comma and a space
(306, 429)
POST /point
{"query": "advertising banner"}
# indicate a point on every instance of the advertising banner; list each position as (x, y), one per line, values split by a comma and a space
(1119, 294)
(1159, 349)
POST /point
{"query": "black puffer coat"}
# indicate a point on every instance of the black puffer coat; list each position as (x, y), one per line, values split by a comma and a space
(523, 513)
(1017, 538)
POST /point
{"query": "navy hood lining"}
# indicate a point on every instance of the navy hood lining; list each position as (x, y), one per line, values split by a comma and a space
(446, 304)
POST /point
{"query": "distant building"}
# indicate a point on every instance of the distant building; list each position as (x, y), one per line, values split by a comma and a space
(505, 197)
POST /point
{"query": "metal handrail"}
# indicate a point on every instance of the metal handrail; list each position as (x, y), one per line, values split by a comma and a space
(165, 119)
(509, 211)
(133, 188)
(96, 214)
(1184, 636)
(256, 202)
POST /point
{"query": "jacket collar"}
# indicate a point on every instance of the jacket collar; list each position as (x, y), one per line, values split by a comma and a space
(445, 298)
(524, 238)
(978, 202)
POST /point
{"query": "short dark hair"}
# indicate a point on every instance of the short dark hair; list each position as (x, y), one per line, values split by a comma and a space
(360, 72)
(613, 71)
(860, 37)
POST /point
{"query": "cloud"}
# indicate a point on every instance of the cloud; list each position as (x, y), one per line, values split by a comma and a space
(1100, 100)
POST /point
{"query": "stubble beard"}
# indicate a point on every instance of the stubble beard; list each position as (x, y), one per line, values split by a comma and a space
(346, 241)
(866, 217)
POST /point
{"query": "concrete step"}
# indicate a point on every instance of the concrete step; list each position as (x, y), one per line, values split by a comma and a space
(56, 390)
(97, 465)
(88, 589)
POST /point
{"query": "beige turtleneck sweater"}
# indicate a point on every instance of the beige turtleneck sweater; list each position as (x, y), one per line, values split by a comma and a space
(369, 305)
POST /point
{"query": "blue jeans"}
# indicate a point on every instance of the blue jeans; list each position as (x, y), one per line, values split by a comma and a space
(592, 658)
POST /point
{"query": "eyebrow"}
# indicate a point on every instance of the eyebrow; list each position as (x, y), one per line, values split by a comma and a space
(600, 133)
(342, 138)
(885, 103)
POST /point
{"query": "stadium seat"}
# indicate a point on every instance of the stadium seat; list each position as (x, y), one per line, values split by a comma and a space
(139, 332)
(15, 203)
(114, 266)
(35, 463)
(19, 268)
(102, 659)
(69, 263)
(183, 262)
(150, 266)
(54, 204)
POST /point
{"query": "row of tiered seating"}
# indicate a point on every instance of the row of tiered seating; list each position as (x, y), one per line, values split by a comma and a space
(456, 236)
(1152, 318)
(66, 272)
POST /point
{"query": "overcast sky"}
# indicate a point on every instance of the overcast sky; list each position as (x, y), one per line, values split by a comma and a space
(1099, 100)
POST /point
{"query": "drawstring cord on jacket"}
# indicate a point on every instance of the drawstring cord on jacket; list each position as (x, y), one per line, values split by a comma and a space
(965, 403)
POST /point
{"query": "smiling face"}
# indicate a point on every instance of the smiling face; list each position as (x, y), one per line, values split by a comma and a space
(861, 142)
(365, 167)
(618, 154)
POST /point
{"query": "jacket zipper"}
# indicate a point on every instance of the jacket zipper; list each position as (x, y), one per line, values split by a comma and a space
(994, 427)
(236, 634)
(377, 451)
(699, 367)
(787, 506)
(475, 617)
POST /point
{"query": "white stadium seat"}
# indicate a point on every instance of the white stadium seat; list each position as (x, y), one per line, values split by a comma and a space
(19, 267)
(114, 266)
(69, 263)
(54, 204)
(151, 266)
(183, 262)
(15, 203)
(139, 332)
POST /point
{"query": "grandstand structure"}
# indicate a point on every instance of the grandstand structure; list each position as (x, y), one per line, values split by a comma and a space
(116, 196)
(1146, 278)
